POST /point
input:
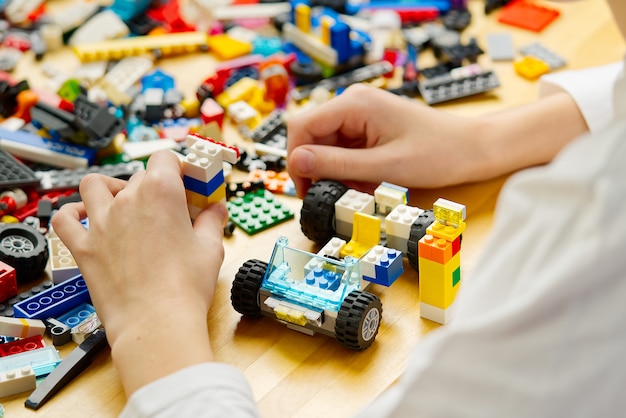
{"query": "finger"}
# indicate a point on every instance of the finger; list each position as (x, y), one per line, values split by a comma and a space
(337, 163)
(97, 191)
(66, 223)
(319, 124)
(300, 163)
(165, 161)
(350, 110)
(135, 180)
(113, 184)
(164, 174)
(301, 184)
(211, 220)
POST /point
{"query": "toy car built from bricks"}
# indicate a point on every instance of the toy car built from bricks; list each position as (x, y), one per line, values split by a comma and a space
(326, 292)
(329, 209)
(310, 293)
(430, 239)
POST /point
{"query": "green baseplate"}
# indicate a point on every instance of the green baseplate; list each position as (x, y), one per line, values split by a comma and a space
(257, 211)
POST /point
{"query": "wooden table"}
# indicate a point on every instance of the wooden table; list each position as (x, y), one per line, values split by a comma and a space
(295, 375)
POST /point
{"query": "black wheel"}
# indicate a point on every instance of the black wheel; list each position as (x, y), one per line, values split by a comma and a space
(306, 74)
(25, 249)
(244, 295)
(358, 320)
(418, 230)
(317, 217)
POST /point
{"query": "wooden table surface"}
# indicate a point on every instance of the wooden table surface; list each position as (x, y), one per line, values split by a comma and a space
(295, 375)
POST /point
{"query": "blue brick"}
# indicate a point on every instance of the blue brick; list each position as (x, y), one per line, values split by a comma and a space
(200, 187)
(442, 5)
(388, 268)
(340, 41)
(324, 279)
(55, 301)
(29, 140)
(77, 315)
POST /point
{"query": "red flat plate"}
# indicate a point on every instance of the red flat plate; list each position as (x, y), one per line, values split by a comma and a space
(527, 15)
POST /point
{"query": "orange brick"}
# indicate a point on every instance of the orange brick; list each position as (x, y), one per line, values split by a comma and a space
(435, 249)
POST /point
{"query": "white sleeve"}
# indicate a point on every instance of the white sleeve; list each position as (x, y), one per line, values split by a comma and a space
(591, 89)
(539, 330)
(204, 390)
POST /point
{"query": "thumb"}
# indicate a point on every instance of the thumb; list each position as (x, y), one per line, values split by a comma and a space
(338, 163)
(211, 220)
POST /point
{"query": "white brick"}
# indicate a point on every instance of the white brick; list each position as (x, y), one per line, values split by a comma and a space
(17, 381)
(398, 222)
(351, 202)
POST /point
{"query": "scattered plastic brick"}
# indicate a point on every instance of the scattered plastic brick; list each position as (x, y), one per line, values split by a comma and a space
(527, 15)
(15, 174)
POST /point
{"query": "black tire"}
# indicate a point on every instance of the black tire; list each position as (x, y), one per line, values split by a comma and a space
(418, 230)
(25, 249)
(244, 295)
(306, 74)
(317, 217)
(358, 320)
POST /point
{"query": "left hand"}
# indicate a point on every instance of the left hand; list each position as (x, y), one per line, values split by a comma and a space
(149, 270)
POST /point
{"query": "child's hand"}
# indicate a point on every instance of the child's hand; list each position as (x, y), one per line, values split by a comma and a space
(150, 272)
(367, 135)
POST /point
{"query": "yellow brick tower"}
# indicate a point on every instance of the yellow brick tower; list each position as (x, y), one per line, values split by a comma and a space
(439, 259)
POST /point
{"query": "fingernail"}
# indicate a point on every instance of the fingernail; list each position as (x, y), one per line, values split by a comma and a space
(305, 160)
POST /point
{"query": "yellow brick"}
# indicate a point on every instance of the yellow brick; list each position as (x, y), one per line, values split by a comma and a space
(165, 44)
(448, 211)
(201, 201)
(191, 107)
(365, 235)
(227, 48)
(114, 148)
(435, 281)
(258, 101)
(296, 317)
(447, 232)
(303, 17)
(241, 90)
(282, 312)
(531, 68)
(288, 314)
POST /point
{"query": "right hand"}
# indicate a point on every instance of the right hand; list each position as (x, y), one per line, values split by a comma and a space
(366, 136)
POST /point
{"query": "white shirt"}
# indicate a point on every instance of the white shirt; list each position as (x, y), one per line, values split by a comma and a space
(540, 329)
(591, 89)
